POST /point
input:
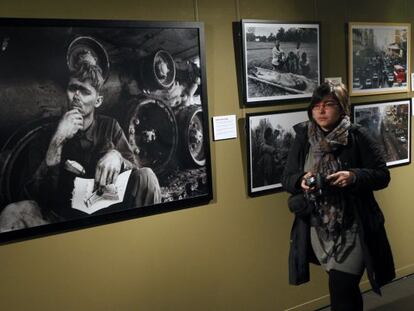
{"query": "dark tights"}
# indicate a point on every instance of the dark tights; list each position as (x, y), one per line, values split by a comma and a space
(344, 291)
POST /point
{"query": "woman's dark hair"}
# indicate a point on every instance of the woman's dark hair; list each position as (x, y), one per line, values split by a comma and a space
(337, 91)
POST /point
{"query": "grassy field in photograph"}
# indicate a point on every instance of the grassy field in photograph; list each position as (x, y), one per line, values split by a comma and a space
(260, 54)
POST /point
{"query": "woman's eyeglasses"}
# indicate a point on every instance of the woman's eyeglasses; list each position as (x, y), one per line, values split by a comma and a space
(325, 105)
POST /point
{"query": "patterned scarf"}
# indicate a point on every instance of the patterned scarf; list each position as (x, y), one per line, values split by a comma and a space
(329, 205)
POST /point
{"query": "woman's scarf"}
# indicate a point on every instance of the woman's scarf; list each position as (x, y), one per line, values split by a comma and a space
(324, 145)
(329, 203)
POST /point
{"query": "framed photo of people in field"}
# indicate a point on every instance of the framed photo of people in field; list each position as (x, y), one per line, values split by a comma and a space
(281, 61)
(100, 121)
(378, 58)
(390, 123)
(269, 137)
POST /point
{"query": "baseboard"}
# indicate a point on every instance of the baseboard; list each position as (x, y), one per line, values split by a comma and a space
(404, 271)
(323, 301)
(313, 304)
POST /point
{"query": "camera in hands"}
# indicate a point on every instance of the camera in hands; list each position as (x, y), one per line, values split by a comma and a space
(317, 183)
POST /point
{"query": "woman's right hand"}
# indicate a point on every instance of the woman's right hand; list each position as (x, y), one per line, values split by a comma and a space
(303, 185)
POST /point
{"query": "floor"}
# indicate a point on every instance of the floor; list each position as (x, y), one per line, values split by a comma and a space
(396, 296)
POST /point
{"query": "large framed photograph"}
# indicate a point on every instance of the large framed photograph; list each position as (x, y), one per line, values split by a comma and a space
(390, 123)
(379, 58)
(281, 61)
(100, 121)
(269, 137)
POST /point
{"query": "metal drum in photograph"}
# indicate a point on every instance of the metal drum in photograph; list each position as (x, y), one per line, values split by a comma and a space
(152, 133)
(14, 170)
(157, 71)
(190, 127)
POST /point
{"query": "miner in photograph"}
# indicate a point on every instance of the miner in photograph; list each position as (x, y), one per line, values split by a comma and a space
(81, 144)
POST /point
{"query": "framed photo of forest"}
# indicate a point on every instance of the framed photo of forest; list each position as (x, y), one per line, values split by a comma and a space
(390, 123)
(269, 137)
(378, 58)
(281, 61)
(100, 121)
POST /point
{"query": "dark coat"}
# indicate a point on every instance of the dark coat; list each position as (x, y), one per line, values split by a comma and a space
(364, 157)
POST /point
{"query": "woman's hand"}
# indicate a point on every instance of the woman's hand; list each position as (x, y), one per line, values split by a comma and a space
(303, 184)
(341, 179)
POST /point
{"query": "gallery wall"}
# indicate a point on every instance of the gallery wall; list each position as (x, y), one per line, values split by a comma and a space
(232, 253)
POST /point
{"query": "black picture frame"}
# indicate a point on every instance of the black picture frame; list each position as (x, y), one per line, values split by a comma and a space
(269, 158)
(284, 74)
(390, 123)
(156, 88)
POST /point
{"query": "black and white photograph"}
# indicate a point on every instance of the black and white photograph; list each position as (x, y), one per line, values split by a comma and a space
(270, 136)
(390, 123)
(379, 58)
(100, 121)
(281, 61)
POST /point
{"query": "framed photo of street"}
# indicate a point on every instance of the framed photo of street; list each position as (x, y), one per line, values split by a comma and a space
(269, 137)
(100, 121)
(390, 123)
(281, 61)
(378, 58)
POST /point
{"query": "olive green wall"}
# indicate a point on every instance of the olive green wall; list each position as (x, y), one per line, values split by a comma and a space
(230, 254)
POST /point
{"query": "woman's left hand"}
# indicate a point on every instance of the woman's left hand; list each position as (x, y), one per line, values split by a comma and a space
(341, 178)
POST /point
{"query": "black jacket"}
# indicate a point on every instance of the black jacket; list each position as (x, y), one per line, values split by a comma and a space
(363, 156)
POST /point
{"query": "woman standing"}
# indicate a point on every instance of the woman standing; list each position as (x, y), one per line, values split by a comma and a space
(332, 170)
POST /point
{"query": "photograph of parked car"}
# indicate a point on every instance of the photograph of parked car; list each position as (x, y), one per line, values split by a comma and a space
(390, 123)
(281, 61)
(379, 58)
(270, 136)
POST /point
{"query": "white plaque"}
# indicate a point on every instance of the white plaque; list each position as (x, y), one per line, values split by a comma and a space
(224, 127)
(412, 110)
(334, 80)
(412, 82)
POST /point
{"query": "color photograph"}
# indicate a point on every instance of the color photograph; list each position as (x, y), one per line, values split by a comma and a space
(390, 123)
(379, 58)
